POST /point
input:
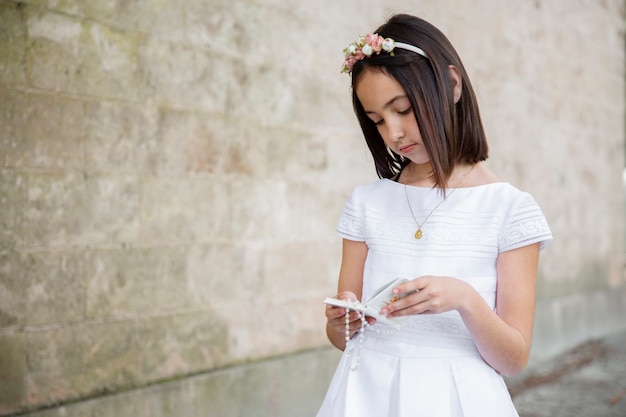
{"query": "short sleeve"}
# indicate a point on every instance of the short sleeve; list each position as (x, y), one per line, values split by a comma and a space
(351, 222)
(524, 225)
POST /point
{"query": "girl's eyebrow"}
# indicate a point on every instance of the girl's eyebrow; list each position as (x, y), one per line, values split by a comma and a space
(389, 103)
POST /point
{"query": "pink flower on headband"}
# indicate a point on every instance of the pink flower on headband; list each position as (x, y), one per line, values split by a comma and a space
(364, 47)
(374, 41)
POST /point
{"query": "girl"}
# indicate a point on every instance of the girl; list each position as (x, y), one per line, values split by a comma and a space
(467, 243)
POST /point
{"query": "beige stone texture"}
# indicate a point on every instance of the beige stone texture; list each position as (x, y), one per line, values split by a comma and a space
(51, 135)
(79, 56)
(135, 282)
(70, 362)
(12, 291)
(80, 209)
(260, 388)
(12, 46)
(12, 200)
(13, 364)
(51, 286)
(119, 137)
(172, 173)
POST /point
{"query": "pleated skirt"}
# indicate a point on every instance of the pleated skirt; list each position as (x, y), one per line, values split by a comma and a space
(416, 376)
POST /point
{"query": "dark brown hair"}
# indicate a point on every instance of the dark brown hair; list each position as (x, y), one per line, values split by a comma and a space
(452, 132)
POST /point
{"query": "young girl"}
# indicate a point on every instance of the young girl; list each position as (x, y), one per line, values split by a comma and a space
(467, 243)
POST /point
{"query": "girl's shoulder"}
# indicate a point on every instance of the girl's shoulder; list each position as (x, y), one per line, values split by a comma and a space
(482, 175)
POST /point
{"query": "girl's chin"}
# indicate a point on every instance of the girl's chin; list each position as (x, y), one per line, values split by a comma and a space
(418, 160)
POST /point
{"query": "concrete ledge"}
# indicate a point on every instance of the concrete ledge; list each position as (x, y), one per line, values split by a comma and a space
(289, 386)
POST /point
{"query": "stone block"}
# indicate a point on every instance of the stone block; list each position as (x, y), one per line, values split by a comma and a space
(12, 45)
(178, 76)
(562, 322)
(274, 387)
(136, 281)
(164, 19)
(41, 288)
(268, 326)
(173, 399)
(184, 210)
(278, 96)
(188, 142)
(336, 111)
(81, 57)
(264, 36)
(347, 149)
(182, 344)
(259, 210)
(291, 266)
(52, 134)
(11, 122)
(267, 95)
(120, 137)
(54, 45)
(93, 358)
(69, 209)
(13, 366)
(55, 287)
(13, 308)
(263, 295)
(314, 212)
(71, 362)
(12, 201)
(220, 26)
(286, 154)
(224, 276)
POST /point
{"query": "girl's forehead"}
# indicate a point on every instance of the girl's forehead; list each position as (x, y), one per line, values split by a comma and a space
(378, 89)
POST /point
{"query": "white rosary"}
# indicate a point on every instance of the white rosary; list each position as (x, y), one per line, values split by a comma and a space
(364, 324)
(361, 331)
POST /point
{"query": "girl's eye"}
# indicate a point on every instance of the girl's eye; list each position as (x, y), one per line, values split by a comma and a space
(378, 122)
(407, 111)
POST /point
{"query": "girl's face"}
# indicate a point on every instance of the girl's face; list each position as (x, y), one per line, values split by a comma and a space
(388, 106)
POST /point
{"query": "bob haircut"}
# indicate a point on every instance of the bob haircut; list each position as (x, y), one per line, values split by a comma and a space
(452, 132)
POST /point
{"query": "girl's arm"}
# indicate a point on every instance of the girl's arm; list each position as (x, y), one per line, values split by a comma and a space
(503, 337)
(350, 287)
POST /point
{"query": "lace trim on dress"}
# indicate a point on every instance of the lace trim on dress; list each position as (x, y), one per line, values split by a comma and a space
(525, 225)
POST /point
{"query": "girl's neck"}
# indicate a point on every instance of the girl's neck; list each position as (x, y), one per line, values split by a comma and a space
(419, 175)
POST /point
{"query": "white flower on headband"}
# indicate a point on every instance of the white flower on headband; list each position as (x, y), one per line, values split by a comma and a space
(389, 44)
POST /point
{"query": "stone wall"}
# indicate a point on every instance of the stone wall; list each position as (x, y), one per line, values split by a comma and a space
(173, 171)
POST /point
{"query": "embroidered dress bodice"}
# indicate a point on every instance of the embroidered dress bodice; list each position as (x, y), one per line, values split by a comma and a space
(462, 239)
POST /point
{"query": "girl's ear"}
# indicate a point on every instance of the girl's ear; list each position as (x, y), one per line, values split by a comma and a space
(457, 80)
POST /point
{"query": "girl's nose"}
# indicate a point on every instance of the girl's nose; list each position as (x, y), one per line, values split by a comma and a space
(396, 133)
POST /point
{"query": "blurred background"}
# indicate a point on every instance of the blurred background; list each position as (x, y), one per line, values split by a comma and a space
(173, 173)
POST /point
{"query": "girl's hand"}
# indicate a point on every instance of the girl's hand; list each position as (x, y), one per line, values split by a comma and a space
(336, 316)
(431, 294)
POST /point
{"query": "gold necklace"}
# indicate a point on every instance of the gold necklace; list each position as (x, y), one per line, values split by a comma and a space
(419, 233)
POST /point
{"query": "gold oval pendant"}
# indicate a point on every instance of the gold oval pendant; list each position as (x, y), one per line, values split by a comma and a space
(418, 234)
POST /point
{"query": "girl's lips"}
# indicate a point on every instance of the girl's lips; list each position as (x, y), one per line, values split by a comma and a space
(408, 148)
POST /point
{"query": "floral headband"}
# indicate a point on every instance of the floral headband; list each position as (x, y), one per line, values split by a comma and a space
(366, 46)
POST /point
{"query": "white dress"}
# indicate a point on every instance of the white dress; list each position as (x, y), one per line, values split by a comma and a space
(430, 367)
